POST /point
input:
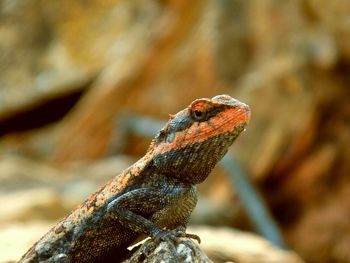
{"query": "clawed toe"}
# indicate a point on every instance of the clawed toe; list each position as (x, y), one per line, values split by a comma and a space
(193, 236)
(173, 236)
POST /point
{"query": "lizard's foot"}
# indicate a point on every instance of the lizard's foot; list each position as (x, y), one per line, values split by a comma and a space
(174, 235)
(172, 239)
(181, 232)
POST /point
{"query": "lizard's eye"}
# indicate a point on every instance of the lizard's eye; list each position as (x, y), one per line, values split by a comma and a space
(198, 115)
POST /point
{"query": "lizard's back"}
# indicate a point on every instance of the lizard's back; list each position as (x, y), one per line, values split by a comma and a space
(89, 233)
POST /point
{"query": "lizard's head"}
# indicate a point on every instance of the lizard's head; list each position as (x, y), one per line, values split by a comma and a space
(196, 138)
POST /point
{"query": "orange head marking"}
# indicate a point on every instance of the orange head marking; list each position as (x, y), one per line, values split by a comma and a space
(196, 138)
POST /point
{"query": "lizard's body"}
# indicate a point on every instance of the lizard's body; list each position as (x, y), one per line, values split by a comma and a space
(154, 196)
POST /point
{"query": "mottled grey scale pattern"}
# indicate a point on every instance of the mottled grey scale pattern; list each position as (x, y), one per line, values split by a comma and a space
(176, 202)
(190, 163)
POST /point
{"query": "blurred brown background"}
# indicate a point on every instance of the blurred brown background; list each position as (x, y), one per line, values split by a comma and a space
(70, 71)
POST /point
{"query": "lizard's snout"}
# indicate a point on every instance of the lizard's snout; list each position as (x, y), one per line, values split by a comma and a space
(243, 110)
(246, 109)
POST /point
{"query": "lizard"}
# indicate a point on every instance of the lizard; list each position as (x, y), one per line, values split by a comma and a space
(156, 195)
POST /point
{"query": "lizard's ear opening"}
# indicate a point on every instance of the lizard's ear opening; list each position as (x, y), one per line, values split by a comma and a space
(161, 136)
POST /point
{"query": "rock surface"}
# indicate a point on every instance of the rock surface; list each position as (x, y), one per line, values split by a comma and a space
(186, 251)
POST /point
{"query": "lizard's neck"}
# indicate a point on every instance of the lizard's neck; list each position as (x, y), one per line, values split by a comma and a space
(193, 163)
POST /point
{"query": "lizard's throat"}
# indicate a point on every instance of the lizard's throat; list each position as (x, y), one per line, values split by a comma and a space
(193, 163)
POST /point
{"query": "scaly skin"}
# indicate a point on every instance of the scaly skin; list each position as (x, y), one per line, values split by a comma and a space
(156, 195)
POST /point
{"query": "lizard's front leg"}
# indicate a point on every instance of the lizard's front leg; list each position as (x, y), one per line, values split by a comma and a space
(149, 210)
